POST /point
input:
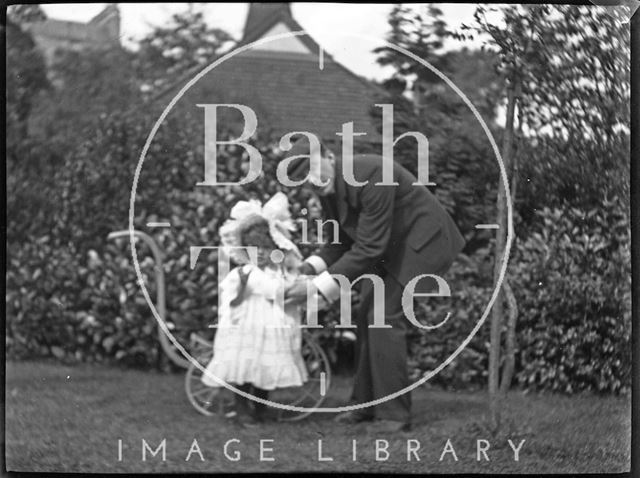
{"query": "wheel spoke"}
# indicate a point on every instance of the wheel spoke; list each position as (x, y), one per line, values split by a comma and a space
(307, 394)
(205, 390)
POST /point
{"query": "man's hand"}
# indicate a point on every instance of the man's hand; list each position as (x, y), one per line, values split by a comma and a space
(323, 304)
(297, 292)
(306, 269)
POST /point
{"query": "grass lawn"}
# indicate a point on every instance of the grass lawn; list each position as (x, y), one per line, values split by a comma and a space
(70, 419)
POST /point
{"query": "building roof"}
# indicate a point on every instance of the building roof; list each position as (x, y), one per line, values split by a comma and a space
(109, 13)
(264, 16)
(96, 31)
(289, 90)
(261, 15)
(68, 30)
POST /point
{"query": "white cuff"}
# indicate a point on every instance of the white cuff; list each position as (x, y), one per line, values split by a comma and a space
(327, 286)
(318, 263)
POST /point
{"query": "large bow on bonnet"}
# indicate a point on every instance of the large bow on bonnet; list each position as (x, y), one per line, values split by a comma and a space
(275, 211)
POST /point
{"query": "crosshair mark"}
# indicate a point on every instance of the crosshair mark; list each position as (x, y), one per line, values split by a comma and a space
(378, 401)
(158, 224)
(323, 384)
(487, 226)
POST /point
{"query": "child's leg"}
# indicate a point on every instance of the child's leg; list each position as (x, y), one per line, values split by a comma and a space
(260, 408)
(243, 405)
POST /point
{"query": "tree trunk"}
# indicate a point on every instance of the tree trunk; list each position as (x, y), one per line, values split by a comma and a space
(510, 339)
(501, 237)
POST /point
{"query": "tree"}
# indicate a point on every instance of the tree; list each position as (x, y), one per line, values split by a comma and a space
(90, 84)
(421, 32)
(577, 107)
(26, 165)
(169, 51)
(575, 101)
(510, 54)
(25, 13)
(561, 74)
(460, 157)
(26, 72)
(566, 72)
(463, 161)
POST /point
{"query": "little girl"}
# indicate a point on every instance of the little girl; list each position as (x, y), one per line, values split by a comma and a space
(258, 339)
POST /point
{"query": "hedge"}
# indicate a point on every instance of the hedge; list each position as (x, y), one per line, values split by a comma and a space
(73, 295)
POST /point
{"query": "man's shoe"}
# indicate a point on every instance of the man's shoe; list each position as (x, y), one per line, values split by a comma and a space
(353, 416)
(389, 426)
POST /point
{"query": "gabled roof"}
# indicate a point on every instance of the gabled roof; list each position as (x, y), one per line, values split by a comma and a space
(93, 32)
(262, 17)
(110, 12)
(69, 30)
(289, 91)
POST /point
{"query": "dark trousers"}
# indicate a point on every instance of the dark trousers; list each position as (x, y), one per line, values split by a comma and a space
(381, 353)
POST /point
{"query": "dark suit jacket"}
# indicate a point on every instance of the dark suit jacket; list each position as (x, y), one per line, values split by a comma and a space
(402, 228)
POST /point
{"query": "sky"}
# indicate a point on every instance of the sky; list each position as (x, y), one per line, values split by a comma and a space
(323, 21)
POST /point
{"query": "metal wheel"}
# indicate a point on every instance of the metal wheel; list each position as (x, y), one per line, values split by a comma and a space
(206, 400)
(313, 392)
(218, 400)
(170, 350)
(211, 400)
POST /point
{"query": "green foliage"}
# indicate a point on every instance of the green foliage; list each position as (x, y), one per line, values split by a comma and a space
(89, 85)
(73, 295)
(31, 198)
(422, 32)
(76, 307)
(569, 69)
(461, 160)
(26, 76)
(103, 315)
(571, 277)
(28, 162)
(573, 283)
(25, 13)
(187, 41)
(572, 63)
(469, 280)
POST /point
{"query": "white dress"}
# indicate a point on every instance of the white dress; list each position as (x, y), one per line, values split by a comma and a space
(259, 340)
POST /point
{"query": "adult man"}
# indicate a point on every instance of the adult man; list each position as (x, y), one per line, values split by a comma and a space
(397, 232)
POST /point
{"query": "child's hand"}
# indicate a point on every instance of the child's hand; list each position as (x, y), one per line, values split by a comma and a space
(296, 293)
(323, 304)
(318, 303)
